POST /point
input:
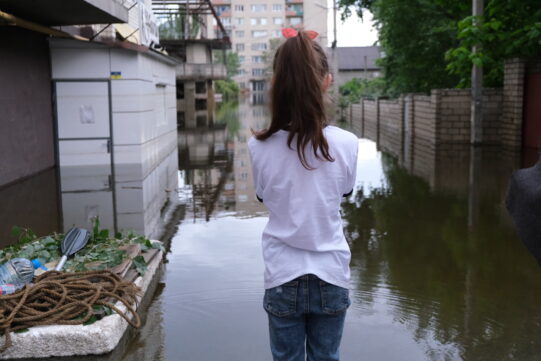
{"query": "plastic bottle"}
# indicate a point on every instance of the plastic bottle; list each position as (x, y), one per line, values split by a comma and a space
(8, 288)
(18, 271)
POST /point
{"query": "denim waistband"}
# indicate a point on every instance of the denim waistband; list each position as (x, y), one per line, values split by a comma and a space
(308, 277)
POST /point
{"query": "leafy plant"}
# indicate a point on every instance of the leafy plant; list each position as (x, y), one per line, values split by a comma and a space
(102, 250)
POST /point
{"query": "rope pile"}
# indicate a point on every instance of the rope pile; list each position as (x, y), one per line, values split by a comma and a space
(59, 298)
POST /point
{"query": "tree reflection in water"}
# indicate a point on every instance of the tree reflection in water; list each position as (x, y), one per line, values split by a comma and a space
(475, 291)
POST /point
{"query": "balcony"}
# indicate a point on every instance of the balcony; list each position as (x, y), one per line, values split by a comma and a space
(190, 71)
(72, 12)
(294, 13)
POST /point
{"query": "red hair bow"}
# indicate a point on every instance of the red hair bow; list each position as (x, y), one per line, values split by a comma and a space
(290, 33)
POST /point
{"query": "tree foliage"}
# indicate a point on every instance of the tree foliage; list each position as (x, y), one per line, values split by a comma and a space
(507, 29)
(414, 37)
(428, 43)
(231, 62)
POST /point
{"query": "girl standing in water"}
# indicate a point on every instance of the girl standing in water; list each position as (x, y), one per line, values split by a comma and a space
(302, 168)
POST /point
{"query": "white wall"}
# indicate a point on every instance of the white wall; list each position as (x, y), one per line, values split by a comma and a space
(144, 126)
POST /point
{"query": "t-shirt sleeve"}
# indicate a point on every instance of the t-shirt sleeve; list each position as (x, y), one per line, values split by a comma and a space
(255, 170)
(352, 169)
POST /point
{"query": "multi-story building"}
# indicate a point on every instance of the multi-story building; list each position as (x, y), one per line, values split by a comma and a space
(252, 25)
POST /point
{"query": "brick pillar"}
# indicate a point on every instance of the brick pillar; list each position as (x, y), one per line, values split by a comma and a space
(362, 117)
(377, 122)
(513, 99)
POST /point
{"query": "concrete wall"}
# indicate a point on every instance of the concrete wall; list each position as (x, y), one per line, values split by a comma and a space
(31, 203)
(26, 117)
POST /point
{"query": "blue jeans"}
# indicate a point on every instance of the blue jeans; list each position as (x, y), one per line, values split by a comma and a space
(306, 319)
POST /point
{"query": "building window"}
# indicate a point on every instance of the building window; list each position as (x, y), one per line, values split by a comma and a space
(221, 9)
(258, 21)
(278, 21)
(296, 8)
(239, 21)
(257, 8)
(295, 21)
(259, 33)
(239, 33)
(258, 72)
(239, 7)
(226, 20)
(242, 85)
(239, 47)
(180, 90)
(258, 85)
(200, 104)
(276, 7)
(275, 34)
(259, 46)
(241, 59)
(257, 59)
(200, 87)
(181, 120)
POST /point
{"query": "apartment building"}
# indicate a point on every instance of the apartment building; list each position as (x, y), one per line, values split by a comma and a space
(252, 25)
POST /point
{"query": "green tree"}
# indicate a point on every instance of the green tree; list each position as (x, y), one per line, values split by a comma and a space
(508, 29)
(428, 43)
(231, 62)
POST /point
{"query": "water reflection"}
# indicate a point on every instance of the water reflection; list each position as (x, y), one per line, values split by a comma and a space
(437, 271)
(137, 194)
(214, 163)
(440, 247)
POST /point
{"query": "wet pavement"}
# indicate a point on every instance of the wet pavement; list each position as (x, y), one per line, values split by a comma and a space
(437, 270)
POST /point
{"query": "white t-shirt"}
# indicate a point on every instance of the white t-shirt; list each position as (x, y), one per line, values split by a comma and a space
(304, 233)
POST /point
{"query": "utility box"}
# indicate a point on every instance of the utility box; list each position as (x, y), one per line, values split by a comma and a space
(116, 127)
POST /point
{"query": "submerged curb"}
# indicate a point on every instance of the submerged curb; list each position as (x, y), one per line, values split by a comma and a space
(70, 340)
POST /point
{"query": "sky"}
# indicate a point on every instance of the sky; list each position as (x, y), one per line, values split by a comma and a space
(352, 32)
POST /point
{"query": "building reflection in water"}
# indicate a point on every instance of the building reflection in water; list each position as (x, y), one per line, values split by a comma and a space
(435, 239)
(137, 195)
(214, 163)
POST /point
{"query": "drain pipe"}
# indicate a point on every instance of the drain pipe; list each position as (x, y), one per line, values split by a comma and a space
(13, 20)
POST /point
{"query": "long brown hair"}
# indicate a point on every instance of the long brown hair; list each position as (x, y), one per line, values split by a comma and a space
(297, 96)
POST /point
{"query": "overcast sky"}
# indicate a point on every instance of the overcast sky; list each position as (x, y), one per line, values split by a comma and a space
(352, 32)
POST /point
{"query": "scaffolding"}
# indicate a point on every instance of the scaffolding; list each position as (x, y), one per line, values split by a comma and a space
(187, 19)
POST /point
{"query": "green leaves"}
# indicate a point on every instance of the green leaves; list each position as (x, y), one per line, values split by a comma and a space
(140, 265)
(101, 252)
(508, 29)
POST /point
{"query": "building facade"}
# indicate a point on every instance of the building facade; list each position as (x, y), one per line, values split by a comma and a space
(252, 26)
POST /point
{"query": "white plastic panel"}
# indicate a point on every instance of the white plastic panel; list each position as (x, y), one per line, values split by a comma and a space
(84, 152)
(84, 179)
(79, 208)
(82, 109)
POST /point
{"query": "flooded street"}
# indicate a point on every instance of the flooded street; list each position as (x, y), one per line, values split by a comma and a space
(437, 270)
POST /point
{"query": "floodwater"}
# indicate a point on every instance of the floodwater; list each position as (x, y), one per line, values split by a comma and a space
(437, 270)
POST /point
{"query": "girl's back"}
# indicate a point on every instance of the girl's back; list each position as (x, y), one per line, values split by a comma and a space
(304, 234)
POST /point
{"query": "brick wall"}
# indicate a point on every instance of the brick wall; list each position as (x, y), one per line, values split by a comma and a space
(513, 94)
(443, 116)
(370, 120)
(390, 125)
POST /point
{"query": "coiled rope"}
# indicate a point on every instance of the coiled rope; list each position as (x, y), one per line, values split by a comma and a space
(61, 298)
